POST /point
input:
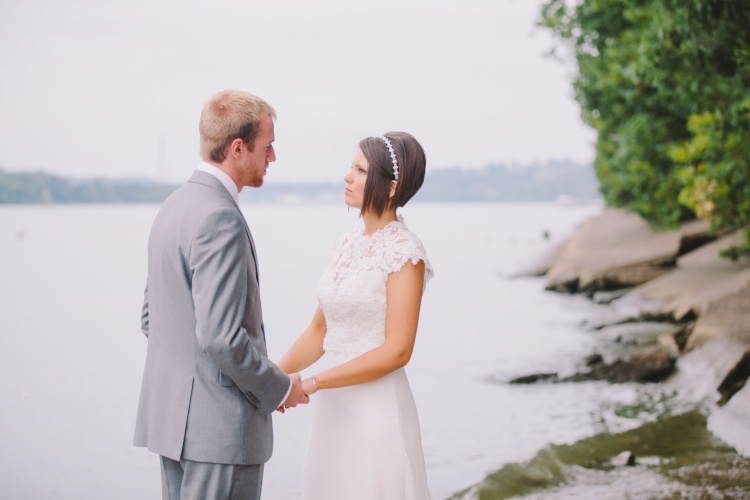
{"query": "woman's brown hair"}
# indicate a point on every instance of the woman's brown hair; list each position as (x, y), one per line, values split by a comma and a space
(411, 170)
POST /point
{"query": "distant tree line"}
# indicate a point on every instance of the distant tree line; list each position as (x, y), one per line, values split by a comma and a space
(666, 84)
(493, 183)
(546, 182)
(38, 187)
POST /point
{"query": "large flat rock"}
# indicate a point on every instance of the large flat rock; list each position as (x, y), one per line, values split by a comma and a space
(728, 317)
(706, 285)
(617, 249)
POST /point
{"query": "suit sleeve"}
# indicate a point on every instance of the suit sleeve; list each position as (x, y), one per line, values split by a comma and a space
(219, 264)
(144, 313)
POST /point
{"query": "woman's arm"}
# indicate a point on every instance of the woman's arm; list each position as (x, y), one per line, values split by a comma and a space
(308, 348)
(403, 301)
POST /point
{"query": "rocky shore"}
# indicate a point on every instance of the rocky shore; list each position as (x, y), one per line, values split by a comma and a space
(672, 297)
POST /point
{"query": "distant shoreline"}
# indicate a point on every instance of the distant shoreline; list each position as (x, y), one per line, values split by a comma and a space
(555, 181)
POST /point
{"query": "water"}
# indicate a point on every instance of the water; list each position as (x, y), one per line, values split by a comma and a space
(71, 366)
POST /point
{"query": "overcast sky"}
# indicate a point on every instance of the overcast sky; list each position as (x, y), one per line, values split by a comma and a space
(114, 88)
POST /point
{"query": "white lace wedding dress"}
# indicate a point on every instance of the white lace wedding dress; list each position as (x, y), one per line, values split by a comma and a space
(365, 442)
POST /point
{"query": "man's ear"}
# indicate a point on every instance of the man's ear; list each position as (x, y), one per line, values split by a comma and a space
(235, 148)
(393, 189)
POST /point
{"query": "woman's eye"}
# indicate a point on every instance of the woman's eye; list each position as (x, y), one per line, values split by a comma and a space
(362, 171)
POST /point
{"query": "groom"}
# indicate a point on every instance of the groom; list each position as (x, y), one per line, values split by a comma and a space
(208, 386)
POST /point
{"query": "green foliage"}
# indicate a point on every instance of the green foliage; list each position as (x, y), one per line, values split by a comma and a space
(666, 84)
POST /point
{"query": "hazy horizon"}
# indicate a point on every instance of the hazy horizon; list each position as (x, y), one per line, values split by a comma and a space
(114, 89)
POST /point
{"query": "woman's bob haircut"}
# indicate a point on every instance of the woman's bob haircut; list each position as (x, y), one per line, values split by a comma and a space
(380, 176)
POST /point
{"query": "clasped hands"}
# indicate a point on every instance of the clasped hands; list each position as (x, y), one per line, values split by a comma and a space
(300, 392)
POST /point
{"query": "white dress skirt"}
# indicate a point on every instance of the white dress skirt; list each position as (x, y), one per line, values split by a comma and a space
(365, 442)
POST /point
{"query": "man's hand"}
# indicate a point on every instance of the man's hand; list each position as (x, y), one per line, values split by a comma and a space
(296, 395)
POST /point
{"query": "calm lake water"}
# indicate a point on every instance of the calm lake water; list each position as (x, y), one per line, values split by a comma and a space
(70, 299)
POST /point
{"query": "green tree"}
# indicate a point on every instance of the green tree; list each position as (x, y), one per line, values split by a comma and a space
(666, 84)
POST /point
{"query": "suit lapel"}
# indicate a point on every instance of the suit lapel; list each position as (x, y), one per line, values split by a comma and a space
(252, 245)
(211, 181)
(255, 261)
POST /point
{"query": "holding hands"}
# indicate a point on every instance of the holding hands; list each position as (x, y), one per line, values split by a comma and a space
(298, 394)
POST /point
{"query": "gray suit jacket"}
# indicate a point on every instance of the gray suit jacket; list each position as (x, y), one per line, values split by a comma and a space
(208, 388)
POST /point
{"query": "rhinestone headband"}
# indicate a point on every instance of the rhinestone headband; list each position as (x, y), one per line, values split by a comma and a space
(393, 155)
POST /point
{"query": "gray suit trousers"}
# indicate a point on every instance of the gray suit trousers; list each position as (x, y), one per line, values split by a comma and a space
(189, 480)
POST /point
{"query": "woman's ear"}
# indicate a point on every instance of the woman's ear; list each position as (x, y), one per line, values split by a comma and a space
(393, 189)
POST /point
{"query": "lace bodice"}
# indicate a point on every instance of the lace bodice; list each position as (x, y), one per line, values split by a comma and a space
(351, 292)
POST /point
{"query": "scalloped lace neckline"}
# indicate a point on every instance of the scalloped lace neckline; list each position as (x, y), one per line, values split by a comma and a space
(399, 220)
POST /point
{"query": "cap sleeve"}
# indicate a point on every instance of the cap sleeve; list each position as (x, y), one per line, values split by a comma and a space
(407, 247)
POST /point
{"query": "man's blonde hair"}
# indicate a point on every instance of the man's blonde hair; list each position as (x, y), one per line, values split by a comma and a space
(230, 115)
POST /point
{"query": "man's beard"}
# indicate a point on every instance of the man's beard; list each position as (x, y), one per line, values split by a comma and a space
(252, 176)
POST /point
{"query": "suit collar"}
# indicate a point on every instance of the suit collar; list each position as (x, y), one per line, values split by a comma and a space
(222, 176)
(206, 179)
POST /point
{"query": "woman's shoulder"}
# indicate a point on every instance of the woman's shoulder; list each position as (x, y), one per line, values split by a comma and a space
(397, 234)
(401, 246)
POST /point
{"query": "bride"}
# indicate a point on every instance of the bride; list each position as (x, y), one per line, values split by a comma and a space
(365, 440)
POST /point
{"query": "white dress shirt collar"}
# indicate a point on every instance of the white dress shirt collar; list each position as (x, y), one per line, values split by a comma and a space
(226, 181)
